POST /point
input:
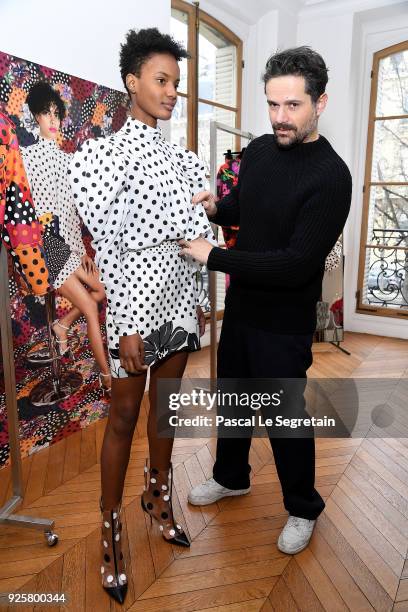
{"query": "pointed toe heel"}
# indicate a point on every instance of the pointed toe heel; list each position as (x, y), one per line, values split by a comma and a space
(158, 486)
(181, 540)
(114, 580)
(118, 593)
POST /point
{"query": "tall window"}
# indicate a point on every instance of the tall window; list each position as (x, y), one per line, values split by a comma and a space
(383, 272)
(210, 87)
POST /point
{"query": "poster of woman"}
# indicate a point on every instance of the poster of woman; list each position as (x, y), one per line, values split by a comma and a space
(53, 113)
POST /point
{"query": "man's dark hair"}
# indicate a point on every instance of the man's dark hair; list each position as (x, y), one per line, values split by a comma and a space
(42, 96)
(141, 45)
(299, 61)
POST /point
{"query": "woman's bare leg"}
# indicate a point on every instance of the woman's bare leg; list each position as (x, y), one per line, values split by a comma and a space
(157, 498)
(127, 395)
(97, 293)
(160, 449)
(75, 292)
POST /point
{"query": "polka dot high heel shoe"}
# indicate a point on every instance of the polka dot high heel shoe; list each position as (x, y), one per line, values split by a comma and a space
(156, 501)
(114, 579)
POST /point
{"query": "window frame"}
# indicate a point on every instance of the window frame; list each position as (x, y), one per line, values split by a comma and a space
(195, 15)
(361, 307)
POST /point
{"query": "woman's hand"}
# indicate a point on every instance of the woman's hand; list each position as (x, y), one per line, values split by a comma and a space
(207, 199)
(88, 265)
(199, 249)
(201, 320)
(131, 351)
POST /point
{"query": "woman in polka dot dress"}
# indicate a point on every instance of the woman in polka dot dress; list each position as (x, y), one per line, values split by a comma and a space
(69, 266)
(134, 190)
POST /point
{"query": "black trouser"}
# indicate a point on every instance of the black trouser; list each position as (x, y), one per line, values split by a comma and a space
(245, 352)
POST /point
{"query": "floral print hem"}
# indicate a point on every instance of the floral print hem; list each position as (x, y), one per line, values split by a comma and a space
(158, 345)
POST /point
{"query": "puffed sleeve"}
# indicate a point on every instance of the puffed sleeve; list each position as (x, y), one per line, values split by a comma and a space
(21, 231)
(98, 177)
(194, 172)
(198, 224)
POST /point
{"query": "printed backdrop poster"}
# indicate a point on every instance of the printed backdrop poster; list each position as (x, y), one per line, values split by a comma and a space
(92, 110)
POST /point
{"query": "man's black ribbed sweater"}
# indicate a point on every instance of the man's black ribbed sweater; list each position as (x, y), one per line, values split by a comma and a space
(291, 206)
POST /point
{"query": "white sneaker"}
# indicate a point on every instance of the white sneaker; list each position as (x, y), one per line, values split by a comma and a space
(210, 491)
(295, 535)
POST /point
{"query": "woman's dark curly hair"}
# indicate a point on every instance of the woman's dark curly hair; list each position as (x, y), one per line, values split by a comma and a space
(141, 45)
(42, 96)
(299, 61)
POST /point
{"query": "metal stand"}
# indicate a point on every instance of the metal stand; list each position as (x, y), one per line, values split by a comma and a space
(62, 383)
(39, 353)
(6, 512)
(337, 345)
(212, 278)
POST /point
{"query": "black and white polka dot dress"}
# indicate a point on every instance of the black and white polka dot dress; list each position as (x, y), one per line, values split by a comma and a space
(47, 171)
(133, 191)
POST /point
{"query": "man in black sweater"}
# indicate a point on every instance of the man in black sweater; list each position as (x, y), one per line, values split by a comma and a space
(291, 203)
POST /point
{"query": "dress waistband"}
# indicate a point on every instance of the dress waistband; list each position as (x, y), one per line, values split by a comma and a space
(164, 246)
(167, 246)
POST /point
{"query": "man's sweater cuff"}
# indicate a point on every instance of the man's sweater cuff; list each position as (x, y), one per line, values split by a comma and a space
(217, 259)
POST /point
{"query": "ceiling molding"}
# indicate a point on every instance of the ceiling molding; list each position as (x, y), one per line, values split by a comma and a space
(251, 12)
(329, 8)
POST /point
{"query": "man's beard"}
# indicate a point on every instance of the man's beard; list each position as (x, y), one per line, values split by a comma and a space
(296, 135)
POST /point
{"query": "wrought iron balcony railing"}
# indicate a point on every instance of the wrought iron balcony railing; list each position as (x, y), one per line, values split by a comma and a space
(386, 277)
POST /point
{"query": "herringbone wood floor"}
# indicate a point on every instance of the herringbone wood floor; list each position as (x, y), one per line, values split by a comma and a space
(356, 559)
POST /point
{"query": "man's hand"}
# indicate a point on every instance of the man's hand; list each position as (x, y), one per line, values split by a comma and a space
(201, 320)
(88, 265)
(199, 249)
(131, 351)
(207, 199)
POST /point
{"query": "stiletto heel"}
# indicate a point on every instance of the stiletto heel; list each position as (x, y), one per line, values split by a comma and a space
(66, 351)
(114, 579)
(171, 531)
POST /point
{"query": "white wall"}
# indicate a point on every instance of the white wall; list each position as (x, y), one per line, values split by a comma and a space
(320, 34)
(81, 38)
(287, 31)
(265, 33)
